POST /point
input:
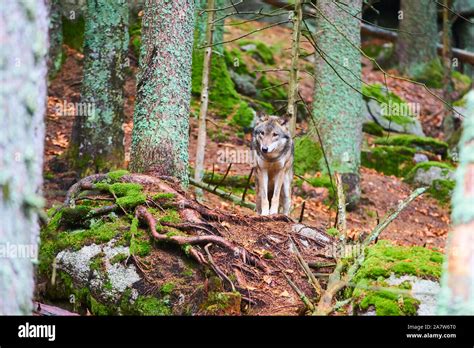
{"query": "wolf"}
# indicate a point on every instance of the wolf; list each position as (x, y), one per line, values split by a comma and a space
(272, 155)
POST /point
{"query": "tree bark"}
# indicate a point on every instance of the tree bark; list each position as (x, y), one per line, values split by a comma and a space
(98, 138)
(418, 35)
(161, 119)
(24, 37)
(337, 108)
(457, 287)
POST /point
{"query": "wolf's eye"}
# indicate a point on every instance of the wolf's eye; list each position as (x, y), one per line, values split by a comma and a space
(262, 133)
(275, 134)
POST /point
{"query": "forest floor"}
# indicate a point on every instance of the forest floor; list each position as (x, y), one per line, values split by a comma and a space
(425, 222)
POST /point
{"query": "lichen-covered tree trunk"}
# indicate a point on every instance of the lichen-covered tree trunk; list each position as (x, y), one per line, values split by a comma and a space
(161, 119)
(98, 137)
(55, 55)
(457, 291)
(465, 30)
(24, 37)
(417, 37)
(337, 108)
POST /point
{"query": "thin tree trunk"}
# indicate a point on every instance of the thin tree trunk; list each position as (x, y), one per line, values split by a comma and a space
(98, 137)
(448, 121)
(337, 108)
(161, 119)
(201, 140)
(24, 37)
(457, 288)
(293, 83)
(418, 35)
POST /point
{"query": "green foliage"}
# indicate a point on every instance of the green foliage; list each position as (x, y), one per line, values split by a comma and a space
(73, 33)
(262, 52)
(149, 305)
(308, 156)
(332, 231)
(390, 160)
(167, 288)
(372, 128)
(419, 143)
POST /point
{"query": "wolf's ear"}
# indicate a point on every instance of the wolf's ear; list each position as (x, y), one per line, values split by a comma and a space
(262, 116)
(284, 120)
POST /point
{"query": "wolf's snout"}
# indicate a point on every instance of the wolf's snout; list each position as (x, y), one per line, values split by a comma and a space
(264, 149)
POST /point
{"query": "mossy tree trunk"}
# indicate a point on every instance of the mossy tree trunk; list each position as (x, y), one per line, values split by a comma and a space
(417, 37)
(457, 290)
(55, 55)
(98, 137)
(24, 33)
(337, 108)
(161, 119)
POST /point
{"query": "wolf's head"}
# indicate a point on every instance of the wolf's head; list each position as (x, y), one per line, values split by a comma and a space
(271, 136)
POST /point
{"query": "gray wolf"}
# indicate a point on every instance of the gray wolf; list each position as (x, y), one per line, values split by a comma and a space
(272, 156)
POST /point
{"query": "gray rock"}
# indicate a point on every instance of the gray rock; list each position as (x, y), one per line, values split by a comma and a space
(375, 112)
(420, 157)
(244, 84)
(425, 177)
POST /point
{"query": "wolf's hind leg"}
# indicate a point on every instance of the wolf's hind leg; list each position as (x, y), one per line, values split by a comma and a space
(285, 197)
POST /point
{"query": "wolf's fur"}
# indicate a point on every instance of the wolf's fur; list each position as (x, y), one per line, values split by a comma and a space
(273, 168)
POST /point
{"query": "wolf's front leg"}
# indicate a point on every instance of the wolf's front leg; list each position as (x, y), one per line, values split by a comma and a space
(276, 193)
(263, 192)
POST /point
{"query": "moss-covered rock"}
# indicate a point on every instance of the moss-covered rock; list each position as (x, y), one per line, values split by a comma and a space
(258, 50)
(442, 190)
(384, 260)
(271, 89)
(390, 160)
(372, 128)
(419, 143)
(424, 167)
(308, 156)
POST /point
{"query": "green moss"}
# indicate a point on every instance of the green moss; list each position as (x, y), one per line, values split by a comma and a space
(163, 196)
(230, 181)
(262, 52)
(129, 195)
(419, 143)
(139, 242)
(75, 217)
(308, 155)
(462, 83)
(393, 107)
(171, 216)
(117, 174)
(97, 262)
(149, 305)
(372, 128)
(220, 303)
(270, 89)
(98, 308)
(332, 231)
(234, 61)
(442, 190)
(431, 74)
(268, 255)
(118, 258)
(167, 288)
(390, 160)
(384, 258)
(386, 302)
(73, 33)
(244, 116)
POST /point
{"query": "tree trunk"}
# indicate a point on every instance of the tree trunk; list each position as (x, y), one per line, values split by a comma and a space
(55, 55)
(161, 119)
(418, 35)
(98, 137)
(201, 140)
(24, 37)
(293, 83)
(337, 108)
(457, 291)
